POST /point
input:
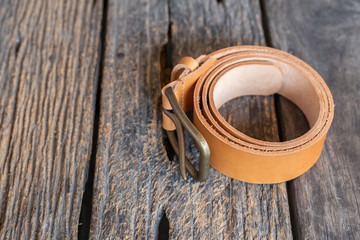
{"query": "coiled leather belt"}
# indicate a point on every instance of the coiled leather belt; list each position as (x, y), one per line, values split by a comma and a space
(206, 83)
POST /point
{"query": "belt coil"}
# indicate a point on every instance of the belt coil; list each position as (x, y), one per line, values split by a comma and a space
(205, 84)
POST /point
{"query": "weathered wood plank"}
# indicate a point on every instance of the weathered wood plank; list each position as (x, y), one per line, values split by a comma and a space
(222, 207)
(131, 171)
(48, 73)
(326, 34)
(134, 180)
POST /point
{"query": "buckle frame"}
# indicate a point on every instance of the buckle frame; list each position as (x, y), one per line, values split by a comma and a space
(178, 116)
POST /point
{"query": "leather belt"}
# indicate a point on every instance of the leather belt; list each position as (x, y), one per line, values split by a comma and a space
(205, 84)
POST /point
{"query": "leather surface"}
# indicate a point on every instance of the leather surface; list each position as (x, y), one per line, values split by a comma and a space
(206, 83)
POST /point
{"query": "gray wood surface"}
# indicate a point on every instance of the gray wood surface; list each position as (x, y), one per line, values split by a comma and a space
(134, 179)
(48, 73)
(325, 200)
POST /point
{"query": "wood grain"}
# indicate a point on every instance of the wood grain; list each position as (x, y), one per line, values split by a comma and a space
(326, 35)
(131, 172)
(48, 73)
(134, 179)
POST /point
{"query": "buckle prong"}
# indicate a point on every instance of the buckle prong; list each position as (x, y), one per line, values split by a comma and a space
(178, 116)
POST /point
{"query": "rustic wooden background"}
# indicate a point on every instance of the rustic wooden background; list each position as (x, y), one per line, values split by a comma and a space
(82, 151)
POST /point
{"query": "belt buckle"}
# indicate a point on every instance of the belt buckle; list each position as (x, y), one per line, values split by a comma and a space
(178, 116)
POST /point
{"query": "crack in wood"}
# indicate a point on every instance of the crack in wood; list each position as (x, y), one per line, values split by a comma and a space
(17, 44)
(163, 227)
(166, 66)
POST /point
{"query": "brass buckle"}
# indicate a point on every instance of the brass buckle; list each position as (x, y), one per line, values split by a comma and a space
(178, 116)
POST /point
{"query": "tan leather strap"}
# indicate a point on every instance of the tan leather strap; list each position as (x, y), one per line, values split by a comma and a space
(208, 82)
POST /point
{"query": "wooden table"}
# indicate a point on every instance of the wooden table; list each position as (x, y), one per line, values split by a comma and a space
(82, 151)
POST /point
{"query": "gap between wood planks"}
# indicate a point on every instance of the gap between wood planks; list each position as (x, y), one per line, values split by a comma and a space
(165, 72)
(280, 121)
(86, 205)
